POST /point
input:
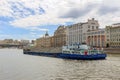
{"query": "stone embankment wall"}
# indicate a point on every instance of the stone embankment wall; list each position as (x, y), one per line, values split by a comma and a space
(112, 50)
(51, 50)
(59, 50)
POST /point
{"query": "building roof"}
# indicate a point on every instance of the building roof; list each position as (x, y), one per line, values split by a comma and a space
(116, 24)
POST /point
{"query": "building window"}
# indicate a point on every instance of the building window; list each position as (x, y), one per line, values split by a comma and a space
(92, 27)
(88, 26)
(96, 27)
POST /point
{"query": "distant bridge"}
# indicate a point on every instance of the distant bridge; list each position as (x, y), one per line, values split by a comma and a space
(11, 45)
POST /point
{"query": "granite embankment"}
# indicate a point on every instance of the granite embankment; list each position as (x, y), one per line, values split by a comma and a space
(59, 50)
(112, 50)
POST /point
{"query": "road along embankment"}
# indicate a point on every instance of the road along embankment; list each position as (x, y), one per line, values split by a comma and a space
(112, 50)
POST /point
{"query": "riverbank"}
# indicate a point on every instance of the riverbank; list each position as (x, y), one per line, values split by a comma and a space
(112, 50)
(59, 50)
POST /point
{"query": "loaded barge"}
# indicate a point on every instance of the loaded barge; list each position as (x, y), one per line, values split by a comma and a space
(81, 52)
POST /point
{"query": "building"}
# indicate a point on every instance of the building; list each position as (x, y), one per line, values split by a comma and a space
(96, 38)
(59, 38)
(113, 35)
(8, 41)
(13, 43)
(52, 41)
(76, 33)
(16, 42)
(44, 42)
(24, 42)
(33, 43)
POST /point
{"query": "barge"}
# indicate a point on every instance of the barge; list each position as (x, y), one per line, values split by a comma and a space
(81, 52)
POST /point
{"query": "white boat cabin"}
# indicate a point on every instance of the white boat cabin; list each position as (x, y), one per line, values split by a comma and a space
(79, 49)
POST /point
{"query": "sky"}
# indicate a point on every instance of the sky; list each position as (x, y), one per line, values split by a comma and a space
(30, 19)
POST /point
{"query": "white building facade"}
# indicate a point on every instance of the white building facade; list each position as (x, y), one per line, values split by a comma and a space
(113, 36)
(76, 33)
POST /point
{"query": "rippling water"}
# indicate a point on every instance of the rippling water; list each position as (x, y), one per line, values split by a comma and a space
(14, 65)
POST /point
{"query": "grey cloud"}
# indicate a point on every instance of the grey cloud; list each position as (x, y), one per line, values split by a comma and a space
(77, 12)
(103, 10)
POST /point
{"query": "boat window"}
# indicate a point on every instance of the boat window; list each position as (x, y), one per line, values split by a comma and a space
(84, 47)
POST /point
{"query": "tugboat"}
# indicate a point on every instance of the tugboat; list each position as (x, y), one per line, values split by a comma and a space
(82, 52)
(78, 52)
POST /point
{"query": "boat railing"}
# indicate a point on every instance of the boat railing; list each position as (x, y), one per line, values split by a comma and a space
(95, 51)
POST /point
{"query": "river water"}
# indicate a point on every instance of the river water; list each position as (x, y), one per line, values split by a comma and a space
(14, 65)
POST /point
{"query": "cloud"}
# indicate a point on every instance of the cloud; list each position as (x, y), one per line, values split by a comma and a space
(78, 12)
(33, 33)
(38, 29)
(35, 13)
(5, 9)
(38, 20)
(103, 10)
(52, 13)
(27, 8)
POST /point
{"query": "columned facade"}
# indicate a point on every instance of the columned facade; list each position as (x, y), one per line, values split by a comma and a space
(96, 38)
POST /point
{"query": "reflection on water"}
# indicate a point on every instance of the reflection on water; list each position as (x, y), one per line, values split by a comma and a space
(14, 65)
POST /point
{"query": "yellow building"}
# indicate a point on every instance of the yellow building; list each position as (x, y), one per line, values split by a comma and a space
(113, 36)
(58, 40)
(52, 41)
(59, 37)
(44, 42)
